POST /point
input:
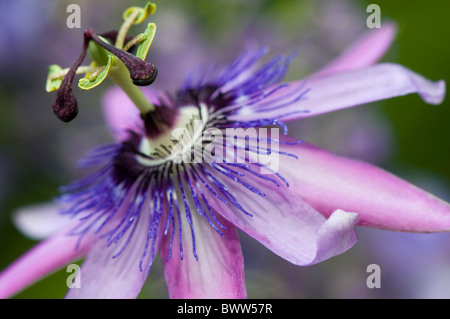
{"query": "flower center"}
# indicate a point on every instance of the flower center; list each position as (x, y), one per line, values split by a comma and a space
(177, 144)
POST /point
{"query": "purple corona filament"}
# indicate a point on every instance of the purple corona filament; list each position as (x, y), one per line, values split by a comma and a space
(171, 192)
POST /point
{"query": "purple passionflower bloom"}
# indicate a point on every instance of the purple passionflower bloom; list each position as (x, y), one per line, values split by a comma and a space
(141, 202)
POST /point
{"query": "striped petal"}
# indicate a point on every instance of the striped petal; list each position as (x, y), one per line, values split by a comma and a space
(272, 213)
(219, 271)
(117, 270)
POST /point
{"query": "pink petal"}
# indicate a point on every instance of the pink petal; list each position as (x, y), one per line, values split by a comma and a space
(364, 52)
(283, 222)
(341, 90)
(103, 275)
(382, 200)
(219, 271)
(46, 257)
(40, 221)
(120, 112)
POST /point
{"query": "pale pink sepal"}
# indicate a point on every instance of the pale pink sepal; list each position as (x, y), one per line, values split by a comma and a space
(364, 52)
(337, 91)
(219, 271)
(54, 253)
(382, 200)
(40, 221)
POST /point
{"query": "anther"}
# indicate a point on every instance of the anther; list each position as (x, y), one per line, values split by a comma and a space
(65, 106)
(141, 73)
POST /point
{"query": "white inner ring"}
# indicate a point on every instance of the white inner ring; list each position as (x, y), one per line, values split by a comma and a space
(183, 127)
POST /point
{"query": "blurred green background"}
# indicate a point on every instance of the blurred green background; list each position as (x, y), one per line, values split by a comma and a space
(38, 153)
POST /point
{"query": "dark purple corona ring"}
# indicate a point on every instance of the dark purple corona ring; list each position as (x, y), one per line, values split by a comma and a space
(139, 177)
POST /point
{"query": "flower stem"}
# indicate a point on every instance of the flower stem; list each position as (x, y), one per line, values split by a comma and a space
(120, 76)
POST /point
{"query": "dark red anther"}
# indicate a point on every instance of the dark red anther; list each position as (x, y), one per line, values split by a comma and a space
(65, 106)
(141, 73)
